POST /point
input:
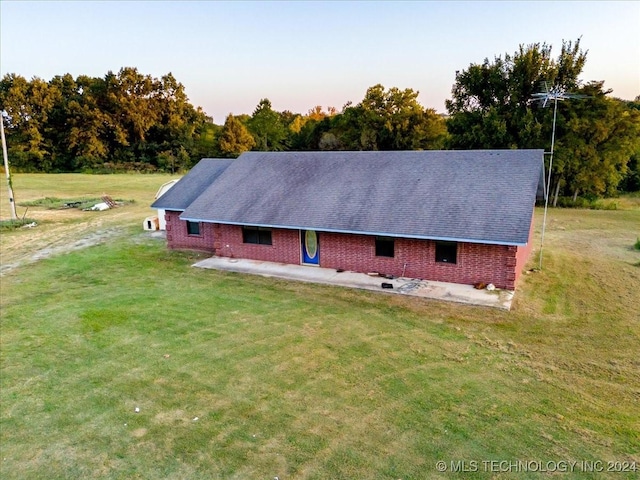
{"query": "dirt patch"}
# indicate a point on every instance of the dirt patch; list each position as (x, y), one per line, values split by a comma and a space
(139, 432)
(50, 243)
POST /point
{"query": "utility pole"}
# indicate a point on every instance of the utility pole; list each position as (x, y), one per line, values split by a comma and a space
(12, 203)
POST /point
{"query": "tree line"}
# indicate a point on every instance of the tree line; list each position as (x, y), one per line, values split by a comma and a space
(124, 121)
(597, 138)
(133, 122)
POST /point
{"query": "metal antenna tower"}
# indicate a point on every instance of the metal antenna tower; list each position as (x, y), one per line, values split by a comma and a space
(550, 94)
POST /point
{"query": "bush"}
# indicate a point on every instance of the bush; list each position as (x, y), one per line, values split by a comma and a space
(637, 244)
(54, 203)
(81, 203)
(8, 225)
(587, 203)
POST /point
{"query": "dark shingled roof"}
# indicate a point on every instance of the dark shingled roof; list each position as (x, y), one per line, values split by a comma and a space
(201, 176)
(483, 196)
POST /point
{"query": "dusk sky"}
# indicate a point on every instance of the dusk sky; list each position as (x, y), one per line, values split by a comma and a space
(229, 55)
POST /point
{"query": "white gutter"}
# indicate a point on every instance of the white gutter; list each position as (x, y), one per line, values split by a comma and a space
(353, 232)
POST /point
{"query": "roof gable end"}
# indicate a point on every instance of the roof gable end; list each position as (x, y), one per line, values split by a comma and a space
(192, 185)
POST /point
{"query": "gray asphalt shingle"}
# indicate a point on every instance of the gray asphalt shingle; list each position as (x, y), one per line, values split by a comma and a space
(484, 196)
(189, 187)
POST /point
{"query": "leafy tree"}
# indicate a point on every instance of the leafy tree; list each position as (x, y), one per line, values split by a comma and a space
(329, 141)
(599, 136)
(206, 140)
(57, 128)
(390, 120)
(287, 118)
(491, 108)
(293, 123)
(84, 141)
(296, 124)
(27, 104)
(180, 128)
(631, 181)
(267, 128)
(235, 138)
(307, 132)
(317, 113)
(124, 120)
(491, 103)
(130, 97)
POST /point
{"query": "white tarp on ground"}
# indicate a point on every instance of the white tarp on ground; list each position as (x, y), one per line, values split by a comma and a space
(100, 207)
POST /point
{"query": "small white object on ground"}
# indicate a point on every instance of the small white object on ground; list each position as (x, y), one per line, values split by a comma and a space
(100, 207)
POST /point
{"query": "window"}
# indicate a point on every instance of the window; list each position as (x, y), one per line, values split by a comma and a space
(193, 228)
(446, 252)
(257, 235)
(384, 247)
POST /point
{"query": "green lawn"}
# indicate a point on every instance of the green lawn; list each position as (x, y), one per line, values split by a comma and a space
(246, 377)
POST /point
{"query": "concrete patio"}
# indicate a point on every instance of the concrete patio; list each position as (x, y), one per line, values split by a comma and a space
(452, 292)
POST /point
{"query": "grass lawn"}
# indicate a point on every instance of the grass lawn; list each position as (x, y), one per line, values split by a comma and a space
(63, 229)
(245, 377)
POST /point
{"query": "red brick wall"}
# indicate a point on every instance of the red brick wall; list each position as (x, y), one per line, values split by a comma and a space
(178, 238)
(497, 264)
(357, 253)
(523, 253)
(284, 246)
(415, 258)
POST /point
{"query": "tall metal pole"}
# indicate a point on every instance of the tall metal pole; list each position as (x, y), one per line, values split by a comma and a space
(548, 185)
(12, 203)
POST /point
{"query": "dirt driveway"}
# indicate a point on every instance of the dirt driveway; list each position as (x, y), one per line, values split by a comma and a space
(62, 231)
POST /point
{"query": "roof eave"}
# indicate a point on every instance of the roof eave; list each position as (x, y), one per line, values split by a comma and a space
(173, 209)
(355, 232)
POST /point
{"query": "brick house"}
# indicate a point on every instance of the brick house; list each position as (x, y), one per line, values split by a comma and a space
(186, 235)
(451, 216)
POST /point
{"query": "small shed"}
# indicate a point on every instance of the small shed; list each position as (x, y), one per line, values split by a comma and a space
(151, 223)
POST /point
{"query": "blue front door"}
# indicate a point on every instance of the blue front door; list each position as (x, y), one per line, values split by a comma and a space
(310, 247)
